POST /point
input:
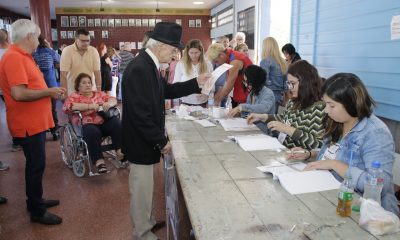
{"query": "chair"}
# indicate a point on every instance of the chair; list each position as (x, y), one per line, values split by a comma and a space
(74, 150)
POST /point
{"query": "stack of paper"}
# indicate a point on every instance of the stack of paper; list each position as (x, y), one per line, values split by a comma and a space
(237, 125)
(258, 142)
(296, 181)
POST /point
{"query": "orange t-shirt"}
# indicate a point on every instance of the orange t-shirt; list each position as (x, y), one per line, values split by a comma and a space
(17, 67)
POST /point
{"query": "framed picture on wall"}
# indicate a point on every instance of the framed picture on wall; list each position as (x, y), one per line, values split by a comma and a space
(145, 22)
(90, 22)
(82, 21)
(91, 34)
(104, 22)
(198, 23)
(152, 22)
(138, 22)
(118, 22)
(64, 21)
(111, 22)
(192, 23)
(125, 22)
(73, 21)
(97, 22)
(104, 34)
(70, 34)
(178, 21)
(63, 34)
(131, 22)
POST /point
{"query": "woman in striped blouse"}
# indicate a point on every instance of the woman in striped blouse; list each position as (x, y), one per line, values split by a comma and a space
(301, 123)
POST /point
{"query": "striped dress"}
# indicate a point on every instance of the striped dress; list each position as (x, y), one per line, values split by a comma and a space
(308, 123)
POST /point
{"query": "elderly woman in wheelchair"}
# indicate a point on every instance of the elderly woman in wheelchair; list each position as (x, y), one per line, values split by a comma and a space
(90, 109)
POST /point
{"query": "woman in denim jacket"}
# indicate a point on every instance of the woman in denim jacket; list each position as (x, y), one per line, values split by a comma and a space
(260, 100)
(352, 127)
(276, 68)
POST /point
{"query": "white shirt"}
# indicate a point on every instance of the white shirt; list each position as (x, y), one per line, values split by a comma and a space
(182, 76)
(155, 59)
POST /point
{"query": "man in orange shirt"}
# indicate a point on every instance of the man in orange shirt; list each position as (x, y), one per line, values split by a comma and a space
(28, 103)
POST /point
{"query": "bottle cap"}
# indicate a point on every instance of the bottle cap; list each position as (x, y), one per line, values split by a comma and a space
(376, 164)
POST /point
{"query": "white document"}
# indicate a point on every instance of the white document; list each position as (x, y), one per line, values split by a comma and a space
(215, 75)
(237, 124)
(258, 142)
(296, 181)
(205, 123)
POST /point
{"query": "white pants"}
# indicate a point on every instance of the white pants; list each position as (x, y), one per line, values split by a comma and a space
(141, 188)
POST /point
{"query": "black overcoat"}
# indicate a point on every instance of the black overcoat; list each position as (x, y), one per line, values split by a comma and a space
(143, 117)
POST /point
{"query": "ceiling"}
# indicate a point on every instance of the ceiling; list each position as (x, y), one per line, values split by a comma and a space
(22, 6)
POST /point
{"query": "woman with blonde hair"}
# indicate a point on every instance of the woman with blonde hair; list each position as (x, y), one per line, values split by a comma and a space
(276, 68)
(192, 64)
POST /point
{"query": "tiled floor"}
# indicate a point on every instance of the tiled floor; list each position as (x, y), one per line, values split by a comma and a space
(91, 207)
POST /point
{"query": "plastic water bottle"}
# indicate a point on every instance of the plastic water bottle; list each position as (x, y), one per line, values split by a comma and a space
(345, 197)
(210, 104)
(228, 104)
(374, 184)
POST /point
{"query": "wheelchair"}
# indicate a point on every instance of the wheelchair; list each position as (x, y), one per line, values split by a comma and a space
(74, 150)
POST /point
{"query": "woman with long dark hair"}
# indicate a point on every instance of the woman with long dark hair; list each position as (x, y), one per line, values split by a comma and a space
(354, 137)
(300, 124)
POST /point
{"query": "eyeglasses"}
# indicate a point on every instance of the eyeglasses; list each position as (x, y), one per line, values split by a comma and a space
(84, 40)
(291, 84)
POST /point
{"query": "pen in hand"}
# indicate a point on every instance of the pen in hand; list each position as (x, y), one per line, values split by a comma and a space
(297, 151)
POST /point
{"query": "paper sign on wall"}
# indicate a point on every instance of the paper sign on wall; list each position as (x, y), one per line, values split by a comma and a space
(395, 28)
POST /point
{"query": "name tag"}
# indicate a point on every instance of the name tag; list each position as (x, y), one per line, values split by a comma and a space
(281, 137)
(330, 152)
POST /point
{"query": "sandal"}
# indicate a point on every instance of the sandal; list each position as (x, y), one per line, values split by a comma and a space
(101, 168)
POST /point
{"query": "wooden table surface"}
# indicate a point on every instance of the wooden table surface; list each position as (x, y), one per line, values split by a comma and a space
(228, 198)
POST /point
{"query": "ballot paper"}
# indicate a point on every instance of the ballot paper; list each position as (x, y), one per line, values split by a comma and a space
(296, 181)
(237, 124)
(205, 123)
(215, 75)
(257, 142)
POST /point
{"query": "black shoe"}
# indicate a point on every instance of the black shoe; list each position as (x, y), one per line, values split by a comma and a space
(3, 200)
(158, 225)
(51, 203)
(47, 219)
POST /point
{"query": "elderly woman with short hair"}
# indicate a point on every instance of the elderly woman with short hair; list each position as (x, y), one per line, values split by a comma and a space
(90, 103)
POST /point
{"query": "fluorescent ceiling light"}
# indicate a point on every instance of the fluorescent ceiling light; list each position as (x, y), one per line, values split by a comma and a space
(198, 3)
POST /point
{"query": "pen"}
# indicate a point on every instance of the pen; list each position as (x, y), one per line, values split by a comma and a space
(298, 151)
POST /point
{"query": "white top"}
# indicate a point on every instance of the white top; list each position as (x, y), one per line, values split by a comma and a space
(181, 76)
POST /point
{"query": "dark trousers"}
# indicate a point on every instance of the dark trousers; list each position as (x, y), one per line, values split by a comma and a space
(35, 155)
(54, 113)
(93, 134)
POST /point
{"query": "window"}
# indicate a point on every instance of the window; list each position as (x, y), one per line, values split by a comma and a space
(246, 25)
(223, 17)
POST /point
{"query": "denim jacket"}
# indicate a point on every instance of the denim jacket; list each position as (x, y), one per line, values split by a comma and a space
(370, 140)
(276, 80)
(264, 103)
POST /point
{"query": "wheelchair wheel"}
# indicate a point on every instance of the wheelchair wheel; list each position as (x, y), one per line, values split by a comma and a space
(79, 169)
(68, 151)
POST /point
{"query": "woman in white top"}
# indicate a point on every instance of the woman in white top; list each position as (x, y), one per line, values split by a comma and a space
(192, 64)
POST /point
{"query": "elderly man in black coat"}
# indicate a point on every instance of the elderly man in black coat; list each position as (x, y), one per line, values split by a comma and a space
(143, 119)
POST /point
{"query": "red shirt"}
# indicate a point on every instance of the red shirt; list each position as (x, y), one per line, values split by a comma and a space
(89, 116)
(17, 67)
(239, 91)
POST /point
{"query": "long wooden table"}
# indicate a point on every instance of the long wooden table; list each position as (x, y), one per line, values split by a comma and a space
(228, 198)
